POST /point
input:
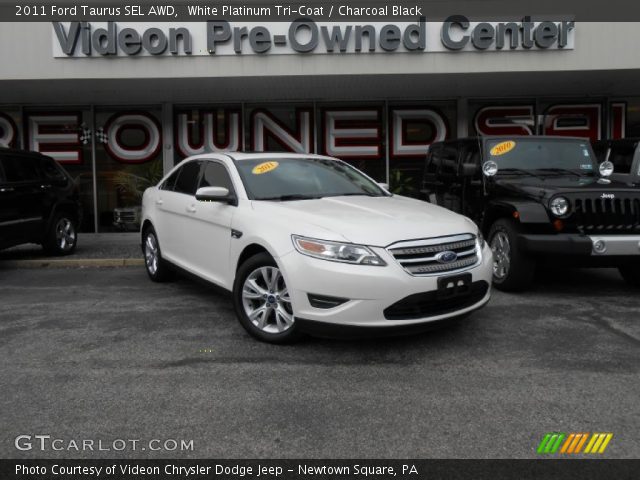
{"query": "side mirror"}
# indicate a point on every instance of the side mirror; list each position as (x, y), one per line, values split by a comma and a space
(470, 170)
(215, 194)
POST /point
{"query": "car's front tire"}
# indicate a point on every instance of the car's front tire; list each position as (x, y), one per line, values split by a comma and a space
(513, 270)
(62, 236)
(262, 302)
(154, 264)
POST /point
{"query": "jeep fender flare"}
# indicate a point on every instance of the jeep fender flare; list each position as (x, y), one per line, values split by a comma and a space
(528, 212)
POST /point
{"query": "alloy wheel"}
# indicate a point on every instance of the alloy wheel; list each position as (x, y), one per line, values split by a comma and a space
(501, 255)
(151, 253)
(266, 300)
(65, 234)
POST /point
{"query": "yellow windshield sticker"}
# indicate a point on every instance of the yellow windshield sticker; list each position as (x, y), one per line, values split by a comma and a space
(264, 168)
(502, 148)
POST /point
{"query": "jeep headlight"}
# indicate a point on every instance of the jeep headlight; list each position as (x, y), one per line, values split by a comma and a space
(480, 239)
(559, 206)
(336, 251)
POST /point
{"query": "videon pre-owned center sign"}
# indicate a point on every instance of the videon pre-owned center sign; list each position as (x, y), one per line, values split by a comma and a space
(88, 39)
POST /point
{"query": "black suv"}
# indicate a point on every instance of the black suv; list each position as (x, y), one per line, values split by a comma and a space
(39, 203)
(538, 199)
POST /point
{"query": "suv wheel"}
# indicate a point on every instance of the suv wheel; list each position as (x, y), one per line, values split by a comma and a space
(62, 236)
(631, 273)
(156, 267)
(512, 269)
(261, 300)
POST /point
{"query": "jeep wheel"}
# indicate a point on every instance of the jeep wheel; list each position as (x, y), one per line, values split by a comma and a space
(512, 269)
(62, 236)
(155, 265)
(631, 273)
(261, 300)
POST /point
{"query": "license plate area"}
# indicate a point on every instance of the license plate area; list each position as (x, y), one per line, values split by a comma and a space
(454, 286)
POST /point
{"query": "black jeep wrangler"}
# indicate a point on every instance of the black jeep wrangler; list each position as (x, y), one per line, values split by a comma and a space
(538, 199)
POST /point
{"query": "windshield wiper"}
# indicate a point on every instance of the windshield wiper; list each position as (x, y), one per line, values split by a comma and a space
(294, 196)
(352, 194)
(518, 170)
(561, 171)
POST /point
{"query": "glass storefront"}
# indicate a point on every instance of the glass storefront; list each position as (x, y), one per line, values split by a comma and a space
(123, 150)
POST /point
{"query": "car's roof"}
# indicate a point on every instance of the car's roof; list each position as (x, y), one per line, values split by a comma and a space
(519, 137)
(16, 151)
(269, 155)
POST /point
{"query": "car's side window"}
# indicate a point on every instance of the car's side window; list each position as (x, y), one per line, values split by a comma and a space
(170, 182)
(470, 158)
(449, 161)
(433, 160)
(51, 170)
(215, 174)
(187, 181)
(20, 169)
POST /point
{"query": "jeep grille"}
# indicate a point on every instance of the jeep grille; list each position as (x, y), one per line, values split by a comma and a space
(420, 257)
(610, 215)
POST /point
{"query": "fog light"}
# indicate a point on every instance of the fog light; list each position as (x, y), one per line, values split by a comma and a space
(324, 301)
(599, 246)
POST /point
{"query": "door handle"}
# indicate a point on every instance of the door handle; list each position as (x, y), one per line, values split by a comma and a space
(159, 201)
(6, 189)
(191, 209)
(45, 186)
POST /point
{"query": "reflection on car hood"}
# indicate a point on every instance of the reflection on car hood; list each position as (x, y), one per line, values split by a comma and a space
(376, 221)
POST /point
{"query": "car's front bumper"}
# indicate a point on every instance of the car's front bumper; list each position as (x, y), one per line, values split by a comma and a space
(369, 289)
(578, 245)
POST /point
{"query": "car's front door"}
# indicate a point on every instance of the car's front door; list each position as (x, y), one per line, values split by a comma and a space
(211, 227)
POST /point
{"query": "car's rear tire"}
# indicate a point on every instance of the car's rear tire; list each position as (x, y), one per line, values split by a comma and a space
(262, 302)
(513, 270)
(154, 264)
(631, 273)
(62, 236)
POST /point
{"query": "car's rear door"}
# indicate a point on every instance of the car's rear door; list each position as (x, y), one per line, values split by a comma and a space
(175, 215)
(21, 196)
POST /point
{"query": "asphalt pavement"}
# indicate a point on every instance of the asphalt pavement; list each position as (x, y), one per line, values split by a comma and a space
(104, 354)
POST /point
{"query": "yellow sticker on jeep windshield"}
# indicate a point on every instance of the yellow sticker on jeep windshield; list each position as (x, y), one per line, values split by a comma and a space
(264, 168)
(502, 148)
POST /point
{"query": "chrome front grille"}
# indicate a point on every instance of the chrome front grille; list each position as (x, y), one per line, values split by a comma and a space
(425, 257)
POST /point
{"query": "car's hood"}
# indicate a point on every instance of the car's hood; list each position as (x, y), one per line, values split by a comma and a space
(376, 221)
(544, 187)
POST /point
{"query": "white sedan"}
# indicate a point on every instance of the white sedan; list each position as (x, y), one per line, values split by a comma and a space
(306, 241)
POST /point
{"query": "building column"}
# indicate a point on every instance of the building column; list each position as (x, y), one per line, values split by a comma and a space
(167, 138)
(462, 117)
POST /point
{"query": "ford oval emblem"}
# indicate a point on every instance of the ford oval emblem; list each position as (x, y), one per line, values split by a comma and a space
(447, 257)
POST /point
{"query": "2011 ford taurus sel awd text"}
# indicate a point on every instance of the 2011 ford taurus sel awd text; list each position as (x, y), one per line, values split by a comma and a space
(306, 241)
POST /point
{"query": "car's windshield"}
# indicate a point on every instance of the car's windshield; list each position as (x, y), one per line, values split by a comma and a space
(303, 178)
(548, 155)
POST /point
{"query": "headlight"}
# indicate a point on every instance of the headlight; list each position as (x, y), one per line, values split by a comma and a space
(480, 239)
(337, 252)
(559, 206)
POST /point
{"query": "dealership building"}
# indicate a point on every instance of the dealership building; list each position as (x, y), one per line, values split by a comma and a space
(118, 103)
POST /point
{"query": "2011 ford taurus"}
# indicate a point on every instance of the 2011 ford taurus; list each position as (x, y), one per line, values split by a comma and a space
(307, 241)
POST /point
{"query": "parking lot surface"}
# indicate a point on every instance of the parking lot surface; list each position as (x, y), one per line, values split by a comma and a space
(106, 354)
